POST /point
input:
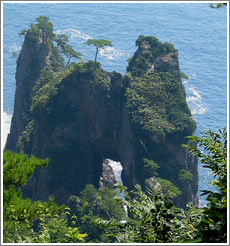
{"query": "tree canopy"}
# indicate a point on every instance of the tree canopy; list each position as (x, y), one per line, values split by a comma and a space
(218, 5)
(45, 27)
(25, 221)
(99, 44)
(71, 53)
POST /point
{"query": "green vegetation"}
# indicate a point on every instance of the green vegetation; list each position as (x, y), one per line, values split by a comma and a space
(42, 29)
(185, 175)
(17, 168)
(153, 217)
(168, 188)
(99, 44)
(46, 87)
(152, 104)
(71, 53)
(165, 185)
(151, 166)
(45, 28)
(93, 204)
(26, 135)
(67, 49)
(218, 5)
(149, 49)
(213, 226)
(25, 221)
(151, 99)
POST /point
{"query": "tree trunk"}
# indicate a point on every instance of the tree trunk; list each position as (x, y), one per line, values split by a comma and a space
(68, 61)
(96, 54)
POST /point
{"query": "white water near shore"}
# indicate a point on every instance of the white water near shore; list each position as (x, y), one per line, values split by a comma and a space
(6, 122)
(194, 99)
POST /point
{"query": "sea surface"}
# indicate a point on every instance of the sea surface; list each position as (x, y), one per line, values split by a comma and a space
(197, 31)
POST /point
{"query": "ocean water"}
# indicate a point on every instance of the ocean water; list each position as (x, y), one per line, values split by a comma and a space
(197, 31)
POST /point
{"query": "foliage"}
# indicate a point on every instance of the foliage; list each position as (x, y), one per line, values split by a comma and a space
(22, 33)
(218, 5)
(99, 44)
(56, 59)
(14, 55)
(25, 221)
(94, 74)
(151, 99)
(46, 87)
(213, 226)
(26, 135)
(152, 104)
(153, 219)
(17, 168)
(184, 76)
(185, 175)
(70, 53)
(61, 40)
(165, 185)
(42, 29)
(151, 166)
(92, 204)
(149, 49)
(168, 188)
(45, 27)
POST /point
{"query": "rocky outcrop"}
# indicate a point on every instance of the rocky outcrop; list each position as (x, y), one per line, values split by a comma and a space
(152, 183)
(107, 178)
(34, 56)
(86, 114)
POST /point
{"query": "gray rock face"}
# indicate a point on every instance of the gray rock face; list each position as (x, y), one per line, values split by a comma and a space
(107, 178)
(87, 120)
(34, 56)
(152, 182)
(32, 59)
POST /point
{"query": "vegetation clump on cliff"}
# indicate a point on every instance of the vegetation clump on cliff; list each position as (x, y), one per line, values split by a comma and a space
(156, 97)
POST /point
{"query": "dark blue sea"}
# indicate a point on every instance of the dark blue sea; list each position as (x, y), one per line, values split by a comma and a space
(197, 31)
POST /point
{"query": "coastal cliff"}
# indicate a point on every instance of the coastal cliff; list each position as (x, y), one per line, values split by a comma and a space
(79, 115)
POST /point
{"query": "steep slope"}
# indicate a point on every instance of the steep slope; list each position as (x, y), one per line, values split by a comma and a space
(36, 54)
(82, 114)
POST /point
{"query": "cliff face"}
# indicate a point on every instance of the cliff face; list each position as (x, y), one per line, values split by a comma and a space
(83, 114)
(34, 56)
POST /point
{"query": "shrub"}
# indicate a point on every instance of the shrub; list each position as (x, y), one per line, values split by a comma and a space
(185, 175)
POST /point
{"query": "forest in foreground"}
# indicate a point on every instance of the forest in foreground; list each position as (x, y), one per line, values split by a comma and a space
(95, 216)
